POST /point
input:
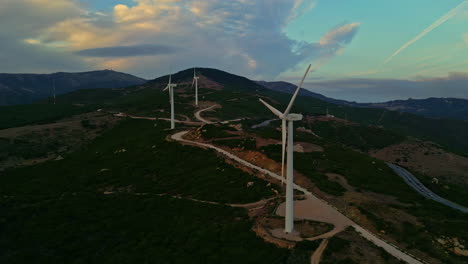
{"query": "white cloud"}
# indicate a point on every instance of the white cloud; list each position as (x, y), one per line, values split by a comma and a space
(342, 34)
(246, 37)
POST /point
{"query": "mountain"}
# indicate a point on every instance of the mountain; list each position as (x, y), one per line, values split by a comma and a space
(286, 87)
(451, 108)
(26, 88)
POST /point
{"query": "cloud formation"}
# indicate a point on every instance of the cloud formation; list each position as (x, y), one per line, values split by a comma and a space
(245, 37)
(128, 51)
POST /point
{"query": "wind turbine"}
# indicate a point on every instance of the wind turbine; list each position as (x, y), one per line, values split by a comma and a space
(53, 88)
(170, 86)
(195, 81)
(287, 128)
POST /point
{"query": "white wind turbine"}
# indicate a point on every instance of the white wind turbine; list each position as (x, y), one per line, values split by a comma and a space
(287, 120)
(170, 86)
(195, 81)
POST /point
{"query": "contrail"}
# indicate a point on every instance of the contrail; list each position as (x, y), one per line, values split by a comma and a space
(436, 24)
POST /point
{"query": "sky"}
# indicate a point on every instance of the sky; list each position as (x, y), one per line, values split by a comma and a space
(360, 50)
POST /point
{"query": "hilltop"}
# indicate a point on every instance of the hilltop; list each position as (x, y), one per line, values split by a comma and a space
(27, 88)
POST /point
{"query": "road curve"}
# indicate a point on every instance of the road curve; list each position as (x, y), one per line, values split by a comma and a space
(201, 119)
(412, 181)
(198, 116)
(391, 249)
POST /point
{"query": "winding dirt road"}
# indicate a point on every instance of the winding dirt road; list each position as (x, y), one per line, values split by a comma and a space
(307, 208)
(312, 208)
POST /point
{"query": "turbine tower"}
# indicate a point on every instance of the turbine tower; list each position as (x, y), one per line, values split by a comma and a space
(195, 81)
(53, 87)
(287, 128)
(170, 86)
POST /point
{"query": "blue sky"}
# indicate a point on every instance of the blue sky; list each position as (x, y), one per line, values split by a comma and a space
(347, 42)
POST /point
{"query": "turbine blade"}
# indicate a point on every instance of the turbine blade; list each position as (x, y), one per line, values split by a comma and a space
(165, 89)
(193, 82)
(283, 147)
(272, 109)
(286, 112)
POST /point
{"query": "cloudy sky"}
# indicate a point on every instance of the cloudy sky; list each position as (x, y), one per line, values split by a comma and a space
(363, 50)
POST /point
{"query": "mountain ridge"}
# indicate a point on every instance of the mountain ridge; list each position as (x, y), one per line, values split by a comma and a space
(27, 88)
(432, 107)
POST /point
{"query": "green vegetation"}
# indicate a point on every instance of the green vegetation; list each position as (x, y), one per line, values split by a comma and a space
(24, 148)
(438, 220)
(246, 143)
(57, 212)
(302, 251)
(125, 228)
(454, 192)
(451, 134)
(306, 164)
(20, 115)
(212, 131)
(361, 137)
(380, 224)
(135, 157)
(348, 247)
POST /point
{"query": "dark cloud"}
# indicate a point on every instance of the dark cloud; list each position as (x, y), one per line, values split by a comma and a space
(128, 51)
(20, 57)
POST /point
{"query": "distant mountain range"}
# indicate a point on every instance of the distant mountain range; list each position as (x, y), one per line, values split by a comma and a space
(26, 88)
(452, 108)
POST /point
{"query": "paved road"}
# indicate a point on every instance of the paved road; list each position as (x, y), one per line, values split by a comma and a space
(391, 249)
(412, 181)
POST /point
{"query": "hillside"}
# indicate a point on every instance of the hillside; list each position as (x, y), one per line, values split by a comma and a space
(106, 180)
(449, 108)
(452, 108)
(289, 88)
(26, 88)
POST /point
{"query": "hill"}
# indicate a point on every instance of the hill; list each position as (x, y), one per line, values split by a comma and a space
(289, 88)
(26, 88)
(451, 108)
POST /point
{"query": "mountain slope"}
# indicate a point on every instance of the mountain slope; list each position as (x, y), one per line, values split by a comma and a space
(452, 108)
(26, 88)
(286, 87)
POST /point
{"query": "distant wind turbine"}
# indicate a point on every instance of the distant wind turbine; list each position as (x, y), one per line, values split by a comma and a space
(287, 128)
(195, 81)
(170, 86)
(53, 88)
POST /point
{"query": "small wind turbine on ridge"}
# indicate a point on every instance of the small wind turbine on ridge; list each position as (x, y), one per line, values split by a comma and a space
(195, 81)
(287, 128)
(53, 88)
(170, 86)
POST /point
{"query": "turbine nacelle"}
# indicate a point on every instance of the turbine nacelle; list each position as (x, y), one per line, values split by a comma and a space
(293, 117)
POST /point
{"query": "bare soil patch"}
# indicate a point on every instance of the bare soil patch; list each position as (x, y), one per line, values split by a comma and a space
(428, 159)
